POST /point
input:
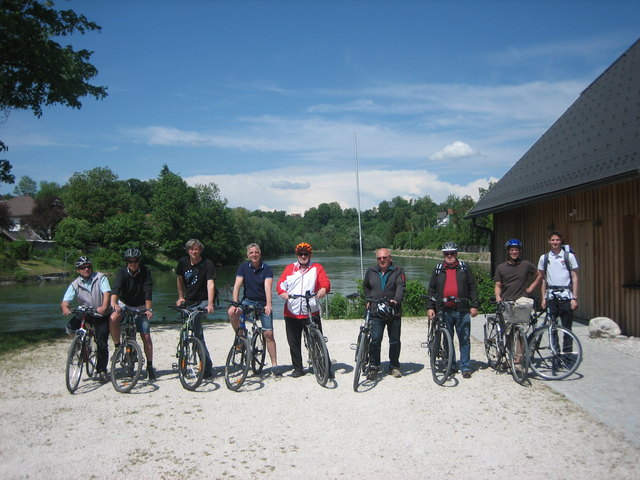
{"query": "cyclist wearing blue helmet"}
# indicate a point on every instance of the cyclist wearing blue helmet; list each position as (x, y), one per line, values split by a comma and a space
(511, 276)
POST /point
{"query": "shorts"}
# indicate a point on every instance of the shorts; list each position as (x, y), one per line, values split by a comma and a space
(142, 322)
(266, 321)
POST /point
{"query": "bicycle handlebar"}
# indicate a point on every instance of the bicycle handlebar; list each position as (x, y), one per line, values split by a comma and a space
(306, 296)
(86, 310)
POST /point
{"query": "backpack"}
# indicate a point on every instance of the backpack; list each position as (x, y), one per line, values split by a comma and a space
(440, 266)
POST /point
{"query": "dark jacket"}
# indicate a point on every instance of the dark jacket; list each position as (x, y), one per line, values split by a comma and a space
(393, 288)
(466, 288)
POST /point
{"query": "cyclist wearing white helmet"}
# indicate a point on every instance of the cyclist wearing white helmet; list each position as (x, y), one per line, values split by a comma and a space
(511, 276)
(92, 289)
(453, 280)
(132, 288)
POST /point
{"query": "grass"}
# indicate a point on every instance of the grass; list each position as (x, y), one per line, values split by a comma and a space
(11, 341)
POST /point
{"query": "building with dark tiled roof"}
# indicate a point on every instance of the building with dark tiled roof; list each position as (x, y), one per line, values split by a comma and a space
(582, 177)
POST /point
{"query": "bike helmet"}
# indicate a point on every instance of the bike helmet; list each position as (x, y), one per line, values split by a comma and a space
(132, 253)
(83, 261)
(303, 247)
(514, 242)
(384, 310)
(450, 247)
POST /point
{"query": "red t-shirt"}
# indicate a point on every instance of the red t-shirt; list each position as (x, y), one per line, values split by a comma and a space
(450, 283)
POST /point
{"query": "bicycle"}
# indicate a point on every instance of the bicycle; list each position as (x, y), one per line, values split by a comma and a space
(248, 349)
(439, 344)
(505, 339)
(190, 350)
(555, 350)
(315, 343)
(362, 358)
(127, 361)
(83, 349)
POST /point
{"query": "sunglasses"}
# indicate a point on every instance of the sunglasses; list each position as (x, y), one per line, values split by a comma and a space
(85, 267)
(133, 260)
(303, 254)
(448, 254)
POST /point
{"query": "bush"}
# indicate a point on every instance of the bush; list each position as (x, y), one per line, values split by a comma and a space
(7, 264)
(19, 250)
(486, 290)
(414, 303)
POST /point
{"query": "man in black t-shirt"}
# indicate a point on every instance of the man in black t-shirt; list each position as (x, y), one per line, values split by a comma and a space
(196, 288)
(132, 288)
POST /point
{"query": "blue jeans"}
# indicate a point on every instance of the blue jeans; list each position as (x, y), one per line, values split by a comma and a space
(462, 323)
(377, 331)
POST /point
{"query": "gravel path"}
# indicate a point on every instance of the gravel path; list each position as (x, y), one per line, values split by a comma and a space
(480, 428)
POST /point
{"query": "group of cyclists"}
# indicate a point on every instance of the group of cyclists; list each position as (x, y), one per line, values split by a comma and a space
(384, 288)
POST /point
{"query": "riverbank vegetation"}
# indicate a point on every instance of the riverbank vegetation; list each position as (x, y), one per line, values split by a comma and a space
(97, 213)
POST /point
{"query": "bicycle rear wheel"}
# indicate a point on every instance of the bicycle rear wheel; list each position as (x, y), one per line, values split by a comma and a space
(238, 361)
(362, 359)
(191, 363)
(555, 352)
(126, 366)
(441, 356)
(319, 356)
(491, 346)
(258, 352)
(75, 363)
(518, 352)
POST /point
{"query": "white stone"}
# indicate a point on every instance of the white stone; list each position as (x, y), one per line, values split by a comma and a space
(603, 327)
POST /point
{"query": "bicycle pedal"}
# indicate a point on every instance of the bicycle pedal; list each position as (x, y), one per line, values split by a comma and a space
(354, 346)
(326, 340)
(174, 366)
(424, 344)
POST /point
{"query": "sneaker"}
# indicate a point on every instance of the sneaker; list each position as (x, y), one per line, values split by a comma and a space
(396, 372)
(331, 376)
(373, 373)
(466, 374)
(276, 373)
(151, 374)
(297, 373)
(103, 377)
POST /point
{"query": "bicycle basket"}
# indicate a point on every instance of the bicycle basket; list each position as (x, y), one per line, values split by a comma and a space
(517, 312)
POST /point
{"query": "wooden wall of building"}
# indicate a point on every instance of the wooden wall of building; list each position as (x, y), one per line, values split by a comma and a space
(603, 228)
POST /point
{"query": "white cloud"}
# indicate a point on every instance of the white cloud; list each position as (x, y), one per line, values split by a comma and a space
(252, 192)
(457, 149)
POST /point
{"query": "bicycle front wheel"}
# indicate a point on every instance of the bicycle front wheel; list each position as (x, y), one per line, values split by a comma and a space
(90, 356)
(491, 341)
(75, 363)
(555, 352)
(191, 363)
(518, 352)
(319, 356)
(126, 366)
(238, 361)
(362, 359)
(258, 352)
(441, 356)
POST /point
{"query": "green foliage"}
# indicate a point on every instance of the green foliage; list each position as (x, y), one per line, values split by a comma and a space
(103, 258)
(7, 263)
(338, 306)
(26, 186)
(35, 70)
(124, 231)
(73, 233)
(19, 250)
(414, 303)
(485, 286)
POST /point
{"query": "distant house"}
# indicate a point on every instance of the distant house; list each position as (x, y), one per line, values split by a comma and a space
(19, 208)
(443, 218)
(582, 177)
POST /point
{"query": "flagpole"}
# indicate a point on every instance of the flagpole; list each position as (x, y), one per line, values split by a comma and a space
(355, 143)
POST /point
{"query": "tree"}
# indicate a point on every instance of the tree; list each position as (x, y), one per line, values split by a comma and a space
(95, 195)
(47, 214)
(26, 186)
(34, 69)
(73, 233)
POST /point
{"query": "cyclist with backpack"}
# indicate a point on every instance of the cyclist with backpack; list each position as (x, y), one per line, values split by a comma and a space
(558, 269)
(453, 280)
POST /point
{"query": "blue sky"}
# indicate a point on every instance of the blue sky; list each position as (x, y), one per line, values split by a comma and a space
(265, 98)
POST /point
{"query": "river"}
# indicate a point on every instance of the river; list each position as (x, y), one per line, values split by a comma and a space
(37, 306)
